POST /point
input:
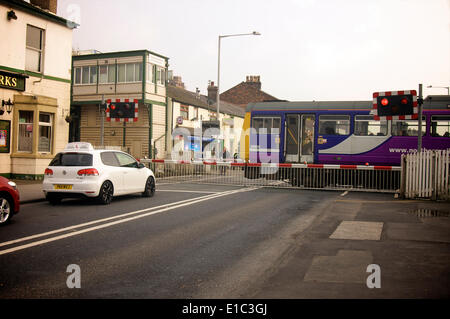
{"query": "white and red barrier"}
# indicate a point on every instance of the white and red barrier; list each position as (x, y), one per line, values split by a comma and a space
(274, 165)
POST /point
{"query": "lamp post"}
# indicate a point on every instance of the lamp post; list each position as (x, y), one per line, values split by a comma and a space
(440, 87)
(218, 67)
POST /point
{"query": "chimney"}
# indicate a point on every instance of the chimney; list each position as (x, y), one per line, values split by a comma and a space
(212, 92)
(50, 5)
(254, 80)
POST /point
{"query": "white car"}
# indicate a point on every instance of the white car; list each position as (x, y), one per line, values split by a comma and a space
(82, 171)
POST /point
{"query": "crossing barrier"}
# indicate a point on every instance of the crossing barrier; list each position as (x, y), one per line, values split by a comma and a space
(280, 175)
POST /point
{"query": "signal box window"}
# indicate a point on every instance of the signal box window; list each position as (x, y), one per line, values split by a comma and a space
(334, 124)
(107, 73)
(440, 126)
(407, 127)
(366, 126)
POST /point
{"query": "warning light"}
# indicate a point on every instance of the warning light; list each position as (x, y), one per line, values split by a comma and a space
(395, 103)
(113, 107)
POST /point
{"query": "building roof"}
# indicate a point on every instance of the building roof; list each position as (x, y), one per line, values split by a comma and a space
(117, 54)
(190, 98)
(245, 93)
(36, 11)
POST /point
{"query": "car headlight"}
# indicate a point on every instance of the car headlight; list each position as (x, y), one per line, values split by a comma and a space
(12, 184)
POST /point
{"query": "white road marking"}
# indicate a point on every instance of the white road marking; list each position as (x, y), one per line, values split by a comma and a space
(344, 193)
(185, 191)
(150, 211)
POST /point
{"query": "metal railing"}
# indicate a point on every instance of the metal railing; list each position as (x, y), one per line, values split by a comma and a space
(306, 176)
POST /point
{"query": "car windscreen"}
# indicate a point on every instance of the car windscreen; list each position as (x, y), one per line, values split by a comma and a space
(72, 159)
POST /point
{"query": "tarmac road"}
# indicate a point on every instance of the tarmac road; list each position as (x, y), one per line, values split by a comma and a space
(212, 241)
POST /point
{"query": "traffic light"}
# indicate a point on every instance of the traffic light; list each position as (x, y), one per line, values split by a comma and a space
(121, 110)
(396, 103)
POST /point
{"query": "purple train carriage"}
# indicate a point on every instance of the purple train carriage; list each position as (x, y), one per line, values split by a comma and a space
(343, 133)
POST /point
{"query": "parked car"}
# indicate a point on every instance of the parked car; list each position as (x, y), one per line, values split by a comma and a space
(82, 171)
(9, 200)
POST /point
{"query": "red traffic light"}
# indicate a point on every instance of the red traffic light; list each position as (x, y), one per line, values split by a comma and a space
(113, 107)
(384, 101)
(404, 101)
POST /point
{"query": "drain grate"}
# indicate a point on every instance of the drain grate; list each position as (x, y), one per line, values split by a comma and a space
(425, 213)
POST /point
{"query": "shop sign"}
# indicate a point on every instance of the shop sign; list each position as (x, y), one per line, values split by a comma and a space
(12, 81)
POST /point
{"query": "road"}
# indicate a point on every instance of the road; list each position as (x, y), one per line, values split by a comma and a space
(188, 241)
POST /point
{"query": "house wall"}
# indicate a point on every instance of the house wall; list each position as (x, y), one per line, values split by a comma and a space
(48, 91)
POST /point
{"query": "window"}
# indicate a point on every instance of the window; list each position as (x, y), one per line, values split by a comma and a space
(129, 72)
(440, 126)
(407, 127)
(72, 159)
(334, 124)
(86, 75)
(45, 132)
(34, 49)
(107, 73)
(271, 125)
(108, 158)
(126, 160)
(184, 111)
(151, 72)
(25, 138)
(160, 75)
(365, 125)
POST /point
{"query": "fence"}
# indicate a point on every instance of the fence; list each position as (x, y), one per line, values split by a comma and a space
(309, 176)
(426, 174)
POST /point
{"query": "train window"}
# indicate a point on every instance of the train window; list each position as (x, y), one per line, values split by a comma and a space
(407, 127)
(258, 123)
(334, 124)
(270, 124)
(365, 125)
(440, 126)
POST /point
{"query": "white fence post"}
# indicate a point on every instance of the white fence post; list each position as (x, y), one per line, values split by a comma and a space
(427, 174)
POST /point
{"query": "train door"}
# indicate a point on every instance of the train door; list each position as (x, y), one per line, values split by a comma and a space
(299, 137)
(307, 138)
(292, 138)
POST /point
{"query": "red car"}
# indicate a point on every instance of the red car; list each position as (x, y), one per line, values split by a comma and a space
(9, 200)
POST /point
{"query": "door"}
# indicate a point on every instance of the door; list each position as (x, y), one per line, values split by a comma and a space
(307, 138)
(134, 179)
(292, 138)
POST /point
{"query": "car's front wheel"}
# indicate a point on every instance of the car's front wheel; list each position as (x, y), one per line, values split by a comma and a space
(5, 209)
(106, 193)
(149, 187)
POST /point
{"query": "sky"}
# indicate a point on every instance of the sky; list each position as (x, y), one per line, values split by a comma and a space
(307, 50)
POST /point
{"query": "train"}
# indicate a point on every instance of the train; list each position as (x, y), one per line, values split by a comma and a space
(339, 132)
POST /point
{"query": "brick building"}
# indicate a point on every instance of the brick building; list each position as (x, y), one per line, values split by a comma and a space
(247, 92)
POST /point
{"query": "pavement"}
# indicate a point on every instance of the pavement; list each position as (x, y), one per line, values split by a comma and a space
(30, 191)
(363, 245)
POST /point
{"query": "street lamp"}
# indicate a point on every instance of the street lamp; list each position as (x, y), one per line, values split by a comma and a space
(218, 67)
(440, 87)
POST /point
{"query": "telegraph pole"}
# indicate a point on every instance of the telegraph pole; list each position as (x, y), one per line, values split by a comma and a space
(419, 103)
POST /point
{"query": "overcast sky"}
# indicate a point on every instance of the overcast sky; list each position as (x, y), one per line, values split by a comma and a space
(308, 49)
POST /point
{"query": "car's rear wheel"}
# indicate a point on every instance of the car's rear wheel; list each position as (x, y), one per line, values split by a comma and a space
(106, 193)
(5, 209)
(53, 199)
(149, 187)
